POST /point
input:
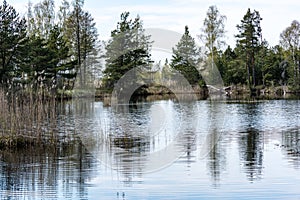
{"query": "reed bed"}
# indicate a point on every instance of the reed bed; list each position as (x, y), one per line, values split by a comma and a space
(28, 117)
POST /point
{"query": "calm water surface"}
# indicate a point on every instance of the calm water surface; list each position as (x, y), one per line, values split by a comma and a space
(164, 150)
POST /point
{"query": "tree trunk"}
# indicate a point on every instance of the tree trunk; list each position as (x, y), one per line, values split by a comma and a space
(248, 73)
(78, 43)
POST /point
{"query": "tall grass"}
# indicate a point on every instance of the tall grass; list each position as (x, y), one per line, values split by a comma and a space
(28, 116)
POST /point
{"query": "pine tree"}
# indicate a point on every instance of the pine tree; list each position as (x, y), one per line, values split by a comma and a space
(62, 66)
(129, 48)
(39, 60)
(249, 40)
(47, 60)
(12, 41)
(186, 57)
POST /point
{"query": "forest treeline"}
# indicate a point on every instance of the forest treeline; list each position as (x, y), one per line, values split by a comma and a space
(52, 47)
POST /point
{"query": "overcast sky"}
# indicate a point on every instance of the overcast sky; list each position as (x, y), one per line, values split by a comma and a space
(175, 14)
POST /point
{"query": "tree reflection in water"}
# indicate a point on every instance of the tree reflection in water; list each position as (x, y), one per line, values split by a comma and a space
(251, 144)
(291, 146)
(216, 158)
(251, 152)
(122, 138)
(40, 172)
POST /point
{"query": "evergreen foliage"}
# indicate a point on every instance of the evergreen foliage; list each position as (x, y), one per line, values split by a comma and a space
(186, 57)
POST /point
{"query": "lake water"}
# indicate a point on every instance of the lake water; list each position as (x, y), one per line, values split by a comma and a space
(164, 150)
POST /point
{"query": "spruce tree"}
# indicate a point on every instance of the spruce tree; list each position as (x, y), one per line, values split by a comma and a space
(61, 65)
(185, 58)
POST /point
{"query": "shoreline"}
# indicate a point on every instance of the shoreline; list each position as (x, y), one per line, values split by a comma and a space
(231, 92)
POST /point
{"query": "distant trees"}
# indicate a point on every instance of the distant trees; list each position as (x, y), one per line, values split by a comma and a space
(290, 41)
(265, 65)
(254, 62)
(41, 19)
(231, 67)
(186, 57)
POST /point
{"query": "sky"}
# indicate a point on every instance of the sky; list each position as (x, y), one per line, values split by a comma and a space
(175, 14)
